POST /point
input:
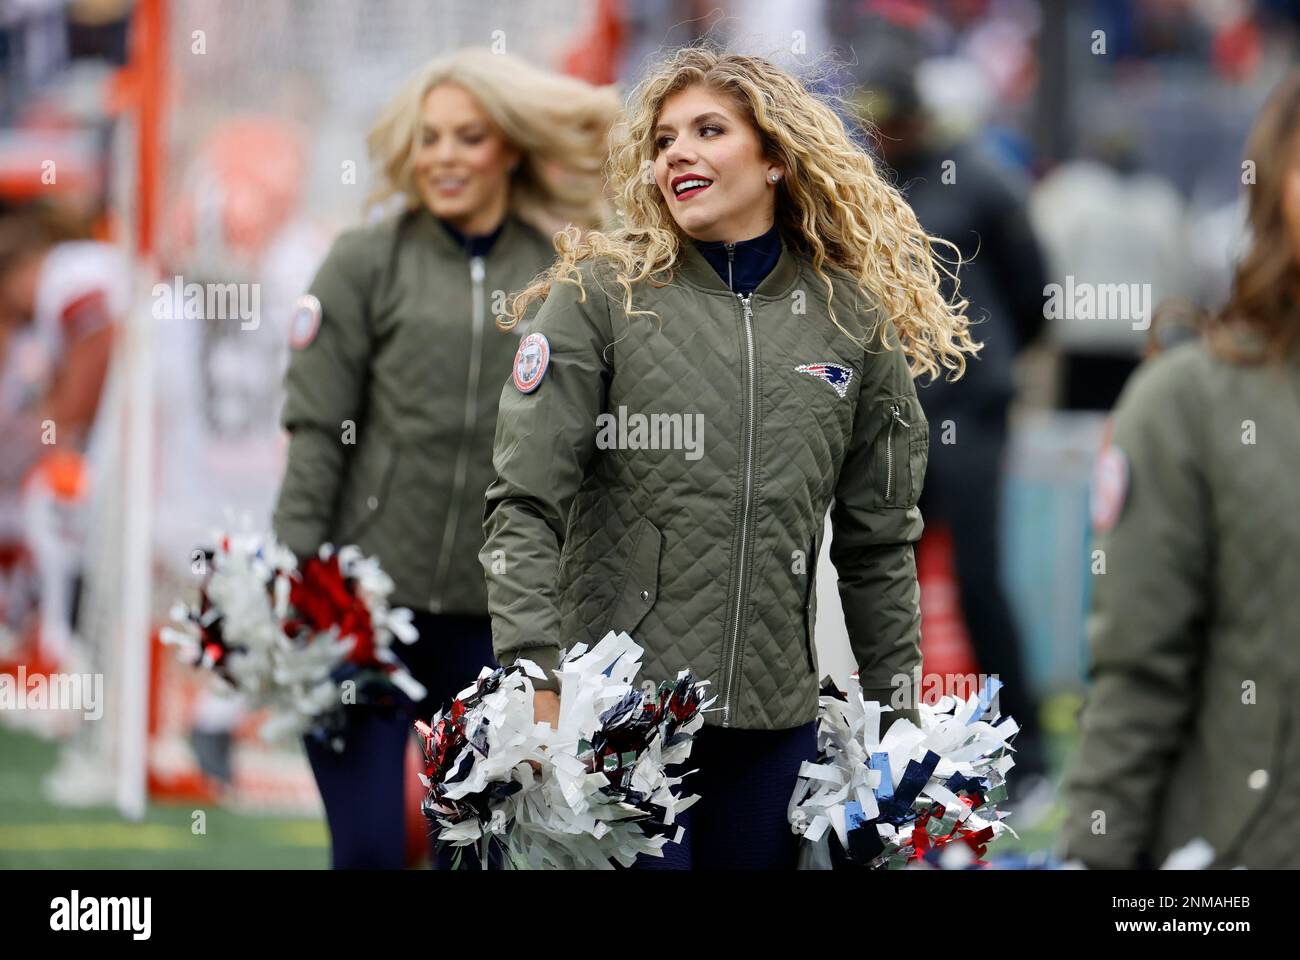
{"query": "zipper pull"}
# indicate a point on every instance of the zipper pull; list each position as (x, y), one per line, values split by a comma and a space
(476, 269)
(731, 257)
(893, 408)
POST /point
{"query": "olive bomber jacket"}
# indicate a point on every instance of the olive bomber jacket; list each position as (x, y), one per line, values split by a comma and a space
(704, 547)
(391, 407)
(1191, 727)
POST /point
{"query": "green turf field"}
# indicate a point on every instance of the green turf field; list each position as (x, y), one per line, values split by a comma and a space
(36, 834)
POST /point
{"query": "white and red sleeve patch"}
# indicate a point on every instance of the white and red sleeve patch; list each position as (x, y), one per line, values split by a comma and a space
(1110, 476)
(305, 322)
(85, 314)
(531, 362)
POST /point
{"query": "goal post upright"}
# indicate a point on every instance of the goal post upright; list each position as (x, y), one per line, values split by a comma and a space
(146, 90)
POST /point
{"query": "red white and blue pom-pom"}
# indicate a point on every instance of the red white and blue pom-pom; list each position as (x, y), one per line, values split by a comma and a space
(923, 795)
(590, 793)
(300, 643)
(478, 756)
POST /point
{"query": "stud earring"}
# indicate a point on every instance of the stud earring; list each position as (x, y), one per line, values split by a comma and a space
(774, 177)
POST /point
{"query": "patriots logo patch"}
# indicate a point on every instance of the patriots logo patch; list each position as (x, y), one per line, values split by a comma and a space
(837, 375)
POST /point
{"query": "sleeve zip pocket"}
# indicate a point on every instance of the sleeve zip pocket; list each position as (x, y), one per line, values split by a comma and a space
(895, 418)
(902, 450)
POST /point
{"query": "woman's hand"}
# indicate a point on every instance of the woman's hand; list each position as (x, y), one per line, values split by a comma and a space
(546, 707)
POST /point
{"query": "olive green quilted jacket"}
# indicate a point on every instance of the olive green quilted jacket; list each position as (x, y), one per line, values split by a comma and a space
(670, 477)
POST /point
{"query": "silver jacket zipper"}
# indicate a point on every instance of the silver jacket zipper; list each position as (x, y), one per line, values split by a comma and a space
(477, 271)
(895, 417)
(731, 679)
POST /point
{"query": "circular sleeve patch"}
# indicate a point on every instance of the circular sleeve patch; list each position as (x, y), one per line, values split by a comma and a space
(531, 360)
(305, 322)
(1109, 488)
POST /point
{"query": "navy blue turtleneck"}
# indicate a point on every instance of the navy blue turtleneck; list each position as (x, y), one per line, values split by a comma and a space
(474, 246)
(743, 265)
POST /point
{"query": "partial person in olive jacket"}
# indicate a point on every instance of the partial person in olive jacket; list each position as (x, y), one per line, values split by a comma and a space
(688, 403)
(396, 374)
(1191, 729)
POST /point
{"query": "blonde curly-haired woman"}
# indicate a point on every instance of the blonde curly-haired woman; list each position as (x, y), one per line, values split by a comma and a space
(397, 369)
(696, 389)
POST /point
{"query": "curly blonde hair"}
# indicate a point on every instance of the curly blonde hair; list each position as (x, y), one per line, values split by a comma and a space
(832, 207)
(559, 124)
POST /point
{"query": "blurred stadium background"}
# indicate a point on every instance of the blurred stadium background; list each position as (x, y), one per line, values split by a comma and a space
(223, 141)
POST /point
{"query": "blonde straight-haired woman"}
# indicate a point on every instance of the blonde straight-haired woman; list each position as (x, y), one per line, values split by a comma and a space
(763, 306)
(397, 369)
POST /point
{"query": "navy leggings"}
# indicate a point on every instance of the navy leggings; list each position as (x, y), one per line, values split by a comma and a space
(363, 787)
(744, 781)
